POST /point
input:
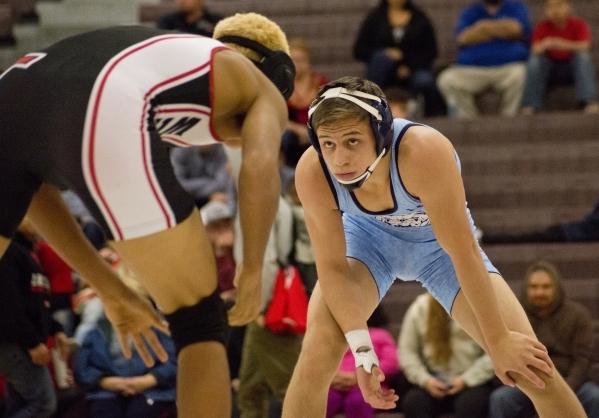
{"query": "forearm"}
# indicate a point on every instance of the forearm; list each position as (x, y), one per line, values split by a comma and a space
(344, 298)
(58, 227)
(486, 30)
(504, 29)
(259, 190)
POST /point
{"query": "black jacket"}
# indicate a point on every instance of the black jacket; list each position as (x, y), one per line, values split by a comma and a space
(176, 21)
(419, 44)
(24, 293)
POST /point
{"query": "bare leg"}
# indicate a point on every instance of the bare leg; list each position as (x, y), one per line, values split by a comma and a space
(557, 399)
(322, 349)
(177, 267)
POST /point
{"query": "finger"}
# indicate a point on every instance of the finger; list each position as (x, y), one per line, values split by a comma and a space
(378, 374)
(162, 326)
(155, 344)
(542, 366)
(533, 378)
(143, 351)
(506, 379)
(548, 367)
(123, 343)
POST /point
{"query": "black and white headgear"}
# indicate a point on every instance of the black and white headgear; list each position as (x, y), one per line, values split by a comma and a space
(381, 122)
(274, 64)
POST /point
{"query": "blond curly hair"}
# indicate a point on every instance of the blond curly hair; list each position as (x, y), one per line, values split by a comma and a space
(255, 27)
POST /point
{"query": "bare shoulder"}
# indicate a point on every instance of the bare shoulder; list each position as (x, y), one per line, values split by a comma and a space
(311, 182)
(425, 158)
(238, 83)
(422, 142)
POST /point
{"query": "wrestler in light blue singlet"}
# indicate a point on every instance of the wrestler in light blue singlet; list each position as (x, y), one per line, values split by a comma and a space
(399, 242)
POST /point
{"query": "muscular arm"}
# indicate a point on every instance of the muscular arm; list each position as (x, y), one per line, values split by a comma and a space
(441, 191)
(248, 106)
(487, 29)
(242, 92)
(129, 314)
(341, 291)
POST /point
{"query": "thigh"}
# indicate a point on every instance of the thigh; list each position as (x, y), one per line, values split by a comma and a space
(464, 78)
(511, 310)
(176, 266)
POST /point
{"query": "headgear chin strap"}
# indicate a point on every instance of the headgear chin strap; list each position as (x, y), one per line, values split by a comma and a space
(353, 184)
(276, 65)
(381, 121)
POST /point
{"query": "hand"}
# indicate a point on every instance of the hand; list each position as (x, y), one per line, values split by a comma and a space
(456, 385)
(249, 295)
(436, 388)
(518, 353)
(40, 354)
(141, 383)
(394, 53)
(131, 315)
(344, 380)
(117, 384)
(370, 386)
(62, 344)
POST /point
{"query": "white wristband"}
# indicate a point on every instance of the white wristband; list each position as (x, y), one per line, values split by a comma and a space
(360, 345)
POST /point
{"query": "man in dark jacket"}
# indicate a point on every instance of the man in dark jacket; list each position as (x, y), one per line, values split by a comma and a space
(191, 17)
(565, 328)
(24, 330)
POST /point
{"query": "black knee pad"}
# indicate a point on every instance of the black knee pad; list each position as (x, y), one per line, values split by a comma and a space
(204, 321)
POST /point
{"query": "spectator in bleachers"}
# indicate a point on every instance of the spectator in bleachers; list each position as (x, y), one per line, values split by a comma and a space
(450, 372)
(397, 42)
(218, 220)
(191, 17)
(400, 102)
(492, 37)
(560, 54)
(118, 387)
(583, 230)
(565, 328)
(27, 331)
(303, 253)
(345, 395)
(307, 83)
(268, 358)
(203, 173)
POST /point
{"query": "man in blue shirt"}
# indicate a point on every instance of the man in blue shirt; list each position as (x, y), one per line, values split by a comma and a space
(493, 37)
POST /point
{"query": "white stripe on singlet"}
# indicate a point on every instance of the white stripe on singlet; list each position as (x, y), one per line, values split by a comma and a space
(116, 154)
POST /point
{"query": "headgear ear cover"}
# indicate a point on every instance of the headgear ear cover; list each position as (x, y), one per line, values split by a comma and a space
(276, 65)
(381, 121)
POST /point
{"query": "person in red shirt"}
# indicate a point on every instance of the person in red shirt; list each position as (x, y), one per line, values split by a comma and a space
(560, 54)
(307, 83)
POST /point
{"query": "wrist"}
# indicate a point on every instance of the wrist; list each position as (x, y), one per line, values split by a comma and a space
(361, 347)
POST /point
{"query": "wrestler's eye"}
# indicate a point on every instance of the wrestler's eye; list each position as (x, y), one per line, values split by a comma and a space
(327, 144)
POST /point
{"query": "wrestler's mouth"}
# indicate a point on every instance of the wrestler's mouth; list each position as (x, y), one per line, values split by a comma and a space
(346, 176)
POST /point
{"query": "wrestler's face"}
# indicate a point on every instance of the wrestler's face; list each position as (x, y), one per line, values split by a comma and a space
(347, 147)
(540, 290)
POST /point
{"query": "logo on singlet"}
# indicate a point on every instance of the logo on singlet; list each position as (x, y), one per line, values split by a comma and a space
(408, 220)
(176, 126)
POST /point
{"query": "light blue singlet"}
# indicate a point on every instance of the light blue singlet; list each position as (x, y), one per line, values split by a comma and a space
(399, 242)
